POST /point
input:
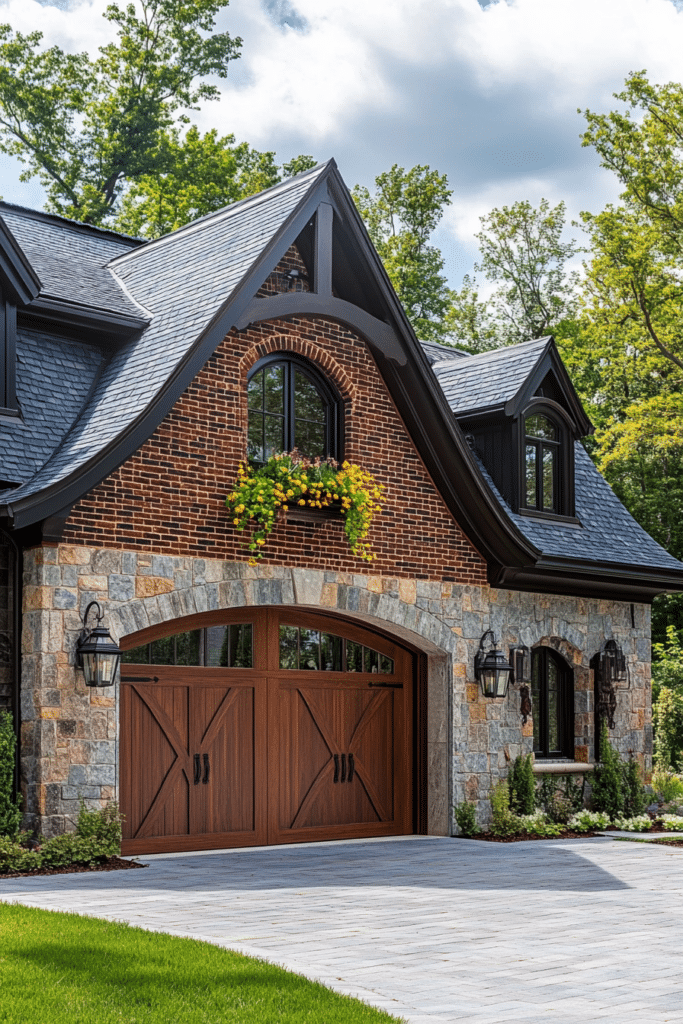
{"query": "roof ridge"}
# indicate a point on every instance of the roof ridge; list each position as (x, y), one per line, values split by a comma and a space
(69, 222)
(224, 213)
(493, 353)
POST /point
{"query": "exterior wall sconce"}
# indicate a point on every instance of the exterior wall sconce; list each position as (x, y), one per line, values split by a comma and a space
(520, 656)
(96, 652)
(491, 670)
(612, 675)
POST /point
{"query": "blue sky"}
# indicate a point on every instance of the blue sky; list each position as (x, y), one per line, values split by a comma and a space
(487, 93)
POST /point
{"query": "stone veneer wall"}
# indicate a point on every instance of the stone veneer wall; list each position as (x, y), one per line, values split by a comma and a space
(69, 733)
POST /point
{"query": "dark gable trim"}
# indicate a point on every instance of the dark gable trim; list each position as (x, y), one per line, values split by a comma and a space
(93, 325)
(550, 361)
(19, 281)
(610, 581)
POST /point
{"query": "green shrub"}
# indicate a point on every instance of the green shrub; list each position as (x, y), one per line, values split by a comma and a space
(588, 821)
(466, 818)
(606, 779)
(560, 799)
(97, 837)
(667, 701)
(672, 822)
(522, 785)
(633, 823)
(10, 807)
(667, 787)
(635, 800)
(505, 822)
(537, 824)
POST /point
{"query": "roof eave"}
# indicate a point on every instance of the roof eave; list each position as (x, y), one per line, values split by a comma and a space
(603, 580)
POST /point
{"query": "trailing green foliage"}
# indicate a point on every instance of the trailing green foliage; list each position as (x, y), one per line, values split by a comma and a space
(466, 818)
(71, 969)
(97, 837)
(522, 785)
(10, 806)
(261, 493)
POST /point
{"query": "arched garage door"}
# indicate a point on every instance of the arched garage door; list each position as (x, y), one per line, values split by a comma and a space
(264, 726)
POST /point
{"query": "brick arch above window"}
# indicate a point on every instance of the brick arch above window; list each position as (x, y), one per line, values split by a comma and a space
(320, 357)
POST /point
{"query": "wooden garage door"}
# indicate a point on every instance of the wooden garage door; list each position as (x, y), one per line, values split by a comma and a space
(284, 729)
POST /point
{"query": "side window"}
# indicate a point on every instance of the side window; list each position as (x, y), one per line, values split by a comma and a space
(552, 697)
(291, 406)
(542, 462)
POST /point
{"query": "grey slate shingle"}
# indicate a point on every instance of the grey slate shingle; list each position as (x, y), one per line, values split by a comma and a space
(490, 378)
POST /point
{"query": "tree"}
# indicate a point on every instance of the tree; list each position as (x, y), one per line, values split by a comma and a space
(524, 259)
(197, 175)
(400, 217)
(87, 127)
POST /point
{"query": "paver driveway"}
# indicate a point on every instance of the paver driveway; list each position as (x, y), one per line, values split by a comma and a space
(431, 929)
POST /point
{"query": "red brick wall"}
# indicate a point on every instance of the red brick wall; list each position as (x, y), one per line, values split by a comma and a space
(169, 497)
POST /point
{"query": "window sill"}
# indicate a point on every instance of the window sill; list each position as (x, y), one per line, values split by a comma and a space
(562, 767)
(550, 517)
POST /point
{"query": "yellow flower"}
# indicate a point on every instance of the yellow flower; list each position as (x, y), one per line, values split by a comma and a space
(260, 541)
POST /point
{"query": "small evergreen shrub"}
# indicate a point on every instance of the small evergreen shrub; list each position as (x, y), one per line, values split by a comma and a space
(606, 779)
(466, 818)
(635, 800)
(10, 807)
(560, 799)
(505, 821)
(522, 785)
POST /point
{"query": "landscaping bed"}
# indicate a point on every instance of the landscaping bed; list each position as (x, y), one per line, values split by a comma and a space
(110, 864)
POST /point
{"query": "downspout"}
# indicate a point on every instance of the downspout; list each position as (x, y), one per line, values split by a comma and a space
(16, 648)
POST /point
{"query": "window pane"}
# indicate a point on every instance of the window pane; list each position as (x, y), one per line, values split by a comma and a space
(217, 650)
(163, 651)
(309, 649)
(289, 647)
(549, 479)
(187, 648)
(540, 426)
(255, 391)
(536, 701)
(531, 475)
(386, 665)
(255, 441)
(309, 438)
(136, 656)
(241, 646)
(274, 392)
(553, 720)
(275, 438)
(307, 401)
(354, 657)
(331, 651)
(371, 660)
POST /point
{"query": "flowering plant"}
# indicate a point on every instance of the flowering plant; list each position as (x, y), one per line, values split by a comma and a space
(289, 479)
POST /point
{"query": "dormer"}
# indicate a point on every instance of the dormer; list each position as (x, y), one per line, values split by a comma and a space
(522, 417)
(19, 285)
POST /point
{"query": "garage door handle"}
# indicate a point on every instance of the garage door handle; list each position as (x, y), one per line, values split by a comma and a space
(197, 769)
(351, 767)
(343, 777)
(336, 768)
(207, 769)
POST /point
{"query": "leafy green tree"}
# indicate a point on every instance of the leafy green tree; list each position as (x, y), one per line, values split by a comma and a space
(197, 175)
(400, 217)
(10, 806)
(667, 701)
(87, 127)
(524, 259)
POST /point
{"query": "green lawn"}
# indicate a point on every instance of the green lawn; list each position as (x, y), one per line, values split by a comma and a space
(65, 969)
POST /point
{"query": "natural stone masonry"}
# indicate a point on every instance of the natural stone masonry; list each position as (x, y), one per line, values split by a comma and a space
(69, 733)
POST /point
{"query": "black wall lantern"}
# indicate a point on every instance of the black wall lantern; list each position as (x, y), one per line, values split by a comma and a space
(491, 669)
(96, 652)
(612, 675)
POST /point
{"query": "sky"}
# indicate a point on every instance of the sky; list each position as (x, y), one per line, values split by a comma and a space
(486, 91)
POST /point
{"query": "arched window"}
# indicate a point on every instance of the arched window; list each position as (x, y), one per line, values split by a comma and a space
(542, 461)
(552, 698)
(291, 406)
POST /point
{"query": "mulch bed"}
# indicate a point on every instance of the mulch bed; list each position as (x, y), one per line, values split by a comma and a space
(112, 864)
(524, 837)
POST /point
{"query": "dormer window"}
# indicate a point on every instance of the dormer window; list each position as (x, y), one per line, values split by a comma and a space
(8, 333)
(542, 463)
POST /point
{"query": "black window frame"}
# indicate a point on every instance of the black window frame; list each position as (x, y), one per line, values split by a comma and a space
(9, 405)
(332, 402)
(540, 659)
(563, 446)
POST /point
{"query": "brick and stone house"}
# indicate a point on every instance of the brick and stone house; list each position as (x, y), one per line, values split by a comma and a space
(312, 695)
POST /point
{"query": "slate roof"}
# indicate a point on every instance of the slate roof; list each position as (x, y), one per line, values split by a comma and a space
(71, 259)
(182, 280)
(488, 379)
(437, 353)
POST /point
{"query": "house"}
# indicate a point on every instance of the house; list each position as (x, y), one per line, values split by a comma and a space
(312, 695)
